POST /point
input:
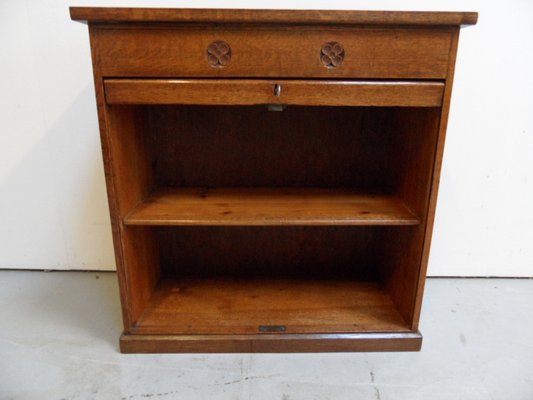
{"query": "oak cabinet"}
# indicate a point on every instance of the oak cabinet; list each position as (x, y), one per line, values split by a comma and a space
(272, 175)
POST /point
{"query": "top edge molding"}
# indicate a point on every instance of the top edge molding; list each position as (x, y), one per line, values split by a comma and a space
(252, 16)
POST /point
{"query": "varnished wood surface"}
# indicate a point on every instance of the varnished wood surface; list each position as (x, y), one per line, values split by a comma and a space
(249, 261)
(236, 16)
(126, 130)
(249, 146)
(291, 92)
(288, 343)
(242, 306)
(435, 180)
(376, 53)
(411, 167)
(113, 194)
(247, 206)
(317, 252)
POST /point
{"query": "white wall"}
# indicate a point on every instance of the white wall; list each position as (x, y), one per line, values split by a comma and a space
(53, 210)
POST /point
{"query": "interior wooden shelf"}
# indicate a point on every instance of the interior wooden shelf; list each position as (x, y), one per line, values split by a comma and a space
(244, 306)
(282, 206)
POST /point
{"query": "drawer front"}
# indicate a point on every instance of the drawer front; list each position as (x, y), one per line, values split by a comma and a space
(264, 91)
(272, 52)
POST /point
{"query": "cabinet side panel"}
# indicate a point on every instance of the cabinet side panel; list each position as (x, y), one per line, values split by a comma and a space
(414, 134)
(102, 110)
(128, 180)
(141, 258)
(439, 151)
(418, 158)
(127, 131)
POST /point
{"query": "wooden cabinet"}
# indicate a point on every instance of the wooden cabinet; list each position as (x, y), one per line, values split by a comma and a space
(272, 175)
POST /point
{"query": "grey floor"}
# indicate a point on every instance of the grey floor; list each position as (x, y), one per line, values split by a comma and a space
(59, 330)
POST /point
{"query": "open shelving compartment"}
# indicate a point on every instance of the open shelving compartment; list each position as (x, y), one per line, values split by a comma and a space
(240, 222)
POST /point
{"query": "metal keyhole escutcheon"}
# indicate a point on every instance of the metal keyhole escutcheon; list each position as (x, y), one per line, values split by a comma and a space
(277, 90)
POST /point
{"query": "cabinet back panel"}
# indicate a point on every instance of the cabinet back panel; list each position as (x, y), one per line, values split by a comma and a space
(240, 146)
(299, 252)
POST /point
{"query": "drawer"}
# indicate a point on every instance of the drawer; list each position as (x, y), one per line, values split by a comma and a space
(283, 91)
(303, 52)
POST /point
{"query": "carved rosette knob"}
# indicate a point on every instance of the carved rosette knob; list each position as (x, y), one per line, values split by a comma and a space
(218, 54)
(332, 54)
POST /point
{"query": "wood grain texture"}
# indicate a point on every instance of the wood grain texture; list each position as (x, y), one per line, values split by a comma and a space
(411, 175)
(112, 195)
(367, 98)
(435, 180)
(126, 128)
(287, 343)
(234, 206)
(296, 252)
(332, 54)
(283, 53)
(141, 261)
(249, 146)
(128, 179)
(241, 306)
(235, 16)
(132, 179)
(291, 92)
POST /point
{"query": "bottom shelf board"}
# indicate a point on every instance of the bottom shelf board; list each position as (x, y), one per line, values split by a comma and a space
(260, 306)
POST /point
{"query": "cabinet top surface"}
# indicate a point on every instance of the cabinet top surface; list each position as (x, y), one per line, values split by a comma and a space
(251, 16)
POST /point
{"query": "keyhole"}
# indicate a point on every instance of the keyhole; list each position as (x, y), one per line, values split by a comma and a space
(277, 90)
